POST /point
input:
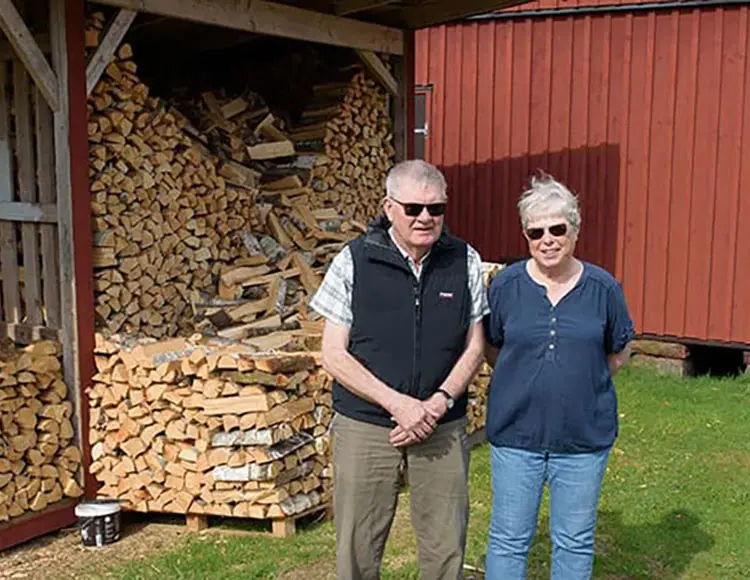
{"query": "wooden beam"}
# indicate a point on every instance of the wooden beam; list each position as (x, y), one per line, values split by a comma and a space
(344, 7)
(26, 212)
(108, 46)
(434, 12)
(32, 525)
(29, 52)
(11, 294)
(379, 71)
(275, 19)
(74, 216)
(402, 109)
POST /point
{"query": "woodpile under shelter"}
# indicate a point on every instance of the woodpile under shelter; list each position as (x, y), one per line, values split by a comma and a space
(174, 178)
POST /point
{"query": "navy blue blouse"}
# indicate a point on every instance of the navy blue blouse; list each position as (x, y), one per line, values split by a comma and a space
(551, 389)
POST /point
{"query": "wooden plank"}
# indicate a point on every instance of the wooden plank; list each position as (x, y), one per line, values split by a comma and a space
(26, 334)
(28, 213)
(28, 526)
(379, 71)
(108, 46)
(32, 284)
(272, 150)
(45, 148)
(29, 52)
(8, 248)
(276, 19)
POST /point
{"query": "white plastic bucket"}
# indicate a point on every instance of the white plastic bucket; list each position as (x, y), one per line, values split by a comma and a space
(99, 522)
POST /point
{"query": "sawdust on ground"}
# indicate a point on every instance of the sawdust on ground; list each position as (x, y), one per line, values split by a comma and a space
(62, 555)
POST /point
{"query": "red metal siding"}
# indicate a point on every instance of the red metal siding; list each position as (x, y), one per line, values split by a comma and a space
(571, 4)
(646, 115)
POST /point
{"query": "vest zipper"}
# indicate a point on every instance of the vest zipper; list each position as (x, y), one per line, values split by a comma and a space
(417, 319)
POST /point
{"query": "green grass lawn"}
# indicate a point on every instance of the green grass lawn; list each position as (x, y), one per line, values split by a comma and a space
(675, 503)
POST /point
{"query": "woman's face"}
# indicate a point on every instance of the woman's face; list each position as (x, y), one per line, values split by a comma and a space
(551, 239)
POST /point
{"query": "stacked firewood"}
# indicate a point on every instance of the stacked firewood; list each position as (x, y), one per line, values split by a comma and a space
(165, 219)
(209, 427)
(476, 411)
(478, 389)
(188, 197)
(39, 465)
(349, 123)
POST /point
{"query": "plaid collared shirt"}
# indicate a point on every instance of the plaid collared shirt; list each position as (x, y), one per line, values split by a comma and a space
(333, 299)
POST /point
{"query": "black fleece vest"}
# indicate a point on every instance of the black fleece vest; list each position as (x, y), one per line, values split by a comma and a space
(408, 333)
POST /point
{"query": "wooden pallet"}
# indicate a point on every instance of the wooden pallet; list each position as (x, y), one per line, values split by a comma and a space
(280, 527)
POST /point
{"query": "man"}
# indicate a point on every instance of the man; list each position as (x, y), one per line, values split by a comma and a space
(403, 338)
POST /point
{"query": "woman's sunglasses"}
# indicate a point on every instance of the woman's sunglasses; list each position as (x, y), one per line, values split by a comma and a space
(558, 230)
(415, 209)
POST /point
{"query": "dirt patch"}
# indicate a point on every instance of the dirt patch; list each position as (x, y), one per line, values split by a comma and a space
(62, 555)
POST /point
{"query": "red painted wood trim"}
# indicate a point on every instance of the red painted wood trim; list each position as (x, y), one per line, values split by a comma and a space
(30, 526)
(82, 237)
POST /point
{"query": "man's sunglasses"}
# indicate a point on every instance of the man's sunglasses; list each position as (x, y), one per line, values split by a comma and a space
(415, 209)
(558, 230)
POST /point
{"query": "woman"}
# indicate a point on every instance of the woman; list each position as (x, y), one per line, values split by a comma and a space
(558, 332)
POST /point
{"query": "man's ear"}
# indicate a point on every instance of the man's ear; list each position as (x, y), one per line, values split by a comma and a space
(387, 207)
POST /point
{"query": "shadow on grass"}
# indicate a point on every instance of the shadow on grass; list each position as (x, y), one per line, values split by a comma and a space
(662, 550)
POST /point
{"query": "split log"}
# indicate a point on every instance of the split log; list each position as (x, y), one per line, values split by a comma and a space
(39, 462)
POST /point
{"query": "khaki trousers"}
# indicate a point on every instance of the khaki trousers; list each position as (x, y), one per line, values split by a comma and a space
(365, 495)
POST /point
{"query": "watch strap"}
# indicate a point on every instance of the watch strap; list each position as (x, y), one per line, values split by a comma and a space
(447, 395)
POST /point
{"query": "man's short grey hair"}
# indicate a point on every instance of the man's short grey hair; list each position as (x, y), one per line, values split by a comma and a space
(545, 197)
(414, 171)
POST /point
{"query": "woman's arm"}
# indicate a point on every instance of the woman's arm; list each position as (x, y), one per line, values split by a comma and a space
(617, 360)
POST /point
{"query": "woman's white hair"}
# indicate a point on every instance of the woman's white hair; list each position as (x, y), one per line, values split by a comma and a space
(546, 197)
(414, 171)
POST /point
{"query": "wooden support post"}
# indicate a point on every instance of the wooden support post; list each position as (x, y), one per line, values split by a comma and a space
(107, 48)
(29, 52)
(403, 104)
(379, 71)
(74, 214)
(283, 528)
(196, 523)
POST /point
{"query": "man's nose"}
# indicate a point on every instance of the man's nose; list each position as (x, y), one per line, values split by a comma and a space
(424, 215)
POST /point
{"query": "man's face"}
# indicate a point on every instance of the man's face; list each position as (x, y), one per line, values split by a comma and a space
(416, 230)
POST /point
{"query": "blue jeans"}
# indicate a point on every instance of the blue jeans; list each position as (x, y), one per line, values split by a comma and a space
(518, 478)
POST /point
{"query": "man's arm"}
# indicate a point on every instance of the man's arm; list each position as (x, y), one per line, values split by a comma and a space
(468, 363)
(352, 375)
(455, 383)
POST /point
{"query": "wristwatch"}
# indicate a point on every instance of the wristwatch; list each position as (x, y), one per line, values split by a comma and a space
(448, 397)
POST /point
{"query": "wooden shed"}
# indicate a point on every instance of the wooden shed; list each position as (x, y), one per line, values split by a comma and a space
(642, 108)
(46, 250)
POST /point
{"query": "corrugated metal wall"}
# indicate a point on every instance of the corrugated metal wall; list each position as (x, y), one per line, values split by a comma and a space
(645, 115)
